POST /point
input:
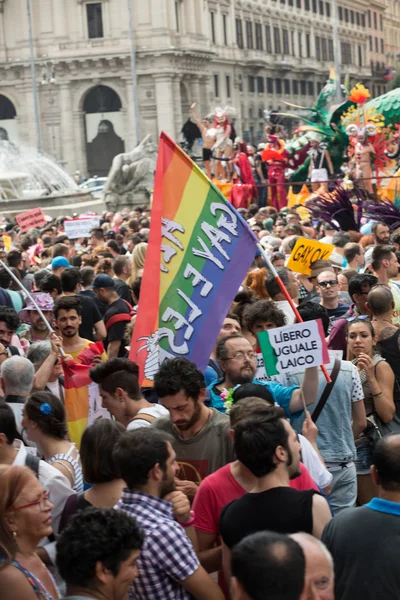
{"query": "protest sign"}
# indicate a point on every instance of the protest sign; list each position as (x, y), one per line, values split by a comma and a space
(199, 251)
(80, 228)
(293, 347)
(7, 242)
(306, 252)
(31, 218)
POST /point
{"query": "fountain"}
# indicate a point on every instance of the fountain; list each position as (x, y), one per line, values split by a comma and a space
(29, 179)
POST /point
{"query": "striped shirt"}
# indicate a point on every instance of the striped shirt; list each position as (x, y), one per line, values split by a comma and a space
(167, 556)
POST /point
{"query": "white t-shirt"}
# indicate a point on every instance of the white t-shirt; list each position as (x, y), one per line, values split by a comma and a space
(155, 411)
(311, 460)
(285, 307)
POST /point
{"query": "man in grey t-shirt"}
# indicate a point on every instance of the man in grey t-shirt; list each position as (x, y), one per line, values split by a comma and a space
(201, 435)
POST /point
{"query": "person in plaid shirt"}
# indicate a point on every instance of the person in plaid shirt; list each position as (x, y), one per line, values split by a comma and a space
(168, 565)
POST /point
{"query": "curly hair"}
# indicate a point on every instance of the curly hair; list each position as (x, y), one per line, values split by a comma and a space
(255, 281)
(262, 311)
(105, 266)
(96, 535)
(68, 303)
(176, 374)
(9, 316)
(52, 424)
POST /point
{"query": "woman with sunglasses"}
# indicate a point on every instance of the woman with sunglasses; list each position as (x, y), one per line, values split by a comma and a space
(44, 422)
(25, 518)
(377, 380)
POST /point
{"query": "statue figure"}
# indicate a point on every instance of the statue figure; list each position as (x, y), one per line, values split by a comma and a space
(364, 154)
(131, 176)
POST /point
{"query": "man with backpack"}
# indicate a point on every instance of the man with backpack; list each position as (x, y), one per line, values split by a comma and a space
(117, 316)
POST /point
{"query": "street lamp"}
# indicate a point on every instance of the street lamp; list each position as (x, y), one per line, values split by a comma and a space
(48, 78)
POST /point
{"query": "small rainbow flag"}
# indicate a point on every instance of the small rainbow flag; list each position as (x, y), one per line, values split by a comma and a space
(198, 254)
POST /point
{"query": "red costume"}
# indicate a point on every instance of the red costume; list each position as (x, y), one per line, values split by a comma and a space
(276, 156)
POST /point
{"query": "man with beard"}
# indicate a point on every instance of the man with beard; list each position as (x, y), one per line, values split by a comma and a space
(385, 265)
(168, 565)
(268, 446)
(381, 234)
(230, 326)
(38, 329)
(67, 313)
(237, 359)
(200, 434)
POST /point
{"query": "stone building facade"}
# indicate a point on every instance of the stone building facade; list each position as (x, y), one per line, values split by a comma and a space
(250, 54)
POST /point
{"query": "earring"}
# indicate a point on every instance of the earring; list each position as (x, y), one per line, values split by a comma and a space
(14, 535)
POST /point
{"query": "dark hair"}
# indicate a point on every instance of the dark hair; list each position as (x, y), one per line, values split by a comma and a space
(14, 258)
(256, 439)
(261, 311)
(76, 261)
(135, 287)
(113, 245)
(271, 283)
(176, 374)
(365, 322)
(376, 225)
(70, 278)
(380, 253)
(294, 229)
(60, 250)
(246, 407)
(349, 274)
(255, 390)
(133, 225)
(386, 459)
(96, 451)
(118, 373)
(53, 422)
(39, 277)
(310, 311)
(26, 242)
(358, 283)
(351, 250)
(395, 237)
(87, 276)
(98, 233)
(68, 303)
(96, 535)
(380, 299)
(5, 279)
(242, 300)
(10, 317)
(51, 282)
(137, 452)
(269, 565)
(8, 425)
(119, 264)
(340, 239)
(61, 239)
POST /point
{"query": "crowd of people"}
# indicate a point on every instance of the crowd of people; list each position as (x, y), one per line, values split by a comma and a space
(227, 483)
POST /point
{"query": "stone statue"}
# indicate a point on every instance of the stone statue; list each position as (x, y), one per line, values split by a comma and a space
(131, 177)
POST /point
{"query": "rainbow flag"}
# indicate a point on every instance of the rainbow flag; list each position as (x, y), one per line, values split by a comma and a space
(199, 251)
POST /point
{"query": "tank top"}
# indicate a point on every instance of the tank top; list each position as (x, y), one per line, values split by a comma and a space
(37, 586)
(389, 350)
(75, 469)
(280, 509)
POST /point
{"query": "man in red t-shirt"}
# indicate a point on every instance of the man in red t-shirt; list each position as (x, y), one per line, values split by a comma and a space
(225, 485)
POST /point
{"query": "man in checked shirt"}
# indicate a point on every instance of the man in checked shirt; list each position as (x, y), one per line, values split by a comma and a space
(168, 565)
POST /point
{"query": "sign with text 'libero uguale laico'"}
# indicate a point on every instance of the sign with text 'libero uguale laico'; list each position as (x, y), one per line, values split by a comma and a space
(294, 347)
(305, 252)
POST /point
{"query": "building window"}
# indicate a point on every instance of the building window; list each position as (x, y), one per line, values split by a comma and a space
(268, 40)
(314, 6)
(360, 60)
(298, 3)
(290, 3)
(212, 21)
(285, 38)
(369, 18)
(376, 45)
(330, 51)
(307, 4)
(239, 33)
(358, 18)
(328, 9)
(382, 47)
(260, 85)
(310, 88)
(303, 87)
(252, 85)
(324, 49)
(318, 47)
(340, 13)
(278, 86)
(346, 53)
(249, 35)
(308, 45)
(375, 21)
(177, 16)
(259, 39)
(225, 29)
(228, 86)
(319, 87)
(270, 85)
(352, 17)
(381, 21)
(363, 20)
(216, 86)
(370, 43)
(346, 15)
(293, 43)
(277, 40)
(321, 7)
(286, 86)
(300, 43)
(95, 20)
(240, 78)
(295, 87)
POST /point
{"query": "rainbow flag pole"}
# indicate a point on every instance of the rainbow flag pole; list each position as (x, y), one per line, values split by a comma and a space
(199, 251)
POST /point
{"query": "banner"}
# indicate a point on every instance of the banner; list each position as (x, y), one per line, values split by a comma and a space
(306, 252)
(198, 254)
(80, 228)
(293, 347)
(31, 218)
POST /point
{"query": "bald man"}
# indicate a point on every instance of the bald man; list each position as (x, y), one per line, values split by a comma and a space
(319, 576)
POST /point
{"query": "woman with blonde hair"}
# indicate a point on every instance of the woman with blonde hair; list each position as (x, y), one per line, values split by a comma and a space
(138, 258)
(25, 518)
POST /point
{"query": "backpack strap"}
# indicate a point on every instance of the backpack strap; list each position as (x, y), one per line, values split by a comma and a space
(144, 417)
(117, 319)
(327, 391)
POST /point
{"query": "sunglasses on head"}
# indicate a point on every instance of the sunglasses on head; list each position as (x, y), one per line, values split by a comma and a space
(331, 282)
(357, 318)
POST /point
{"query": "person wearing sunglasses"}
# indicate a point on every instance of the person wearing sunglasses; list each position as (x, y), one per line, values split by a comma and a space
(328, 289)
(25, 518)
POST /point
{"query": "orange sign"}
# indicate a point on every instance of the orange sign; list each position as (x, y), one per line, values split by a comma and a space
(31, 218)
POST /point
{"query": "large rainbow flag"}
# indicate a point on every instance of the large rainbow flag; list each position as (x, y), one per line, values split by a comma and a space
(198, 254)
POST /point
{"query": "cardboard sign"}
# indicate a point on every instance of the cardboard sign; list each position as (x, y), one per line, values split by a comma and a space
(306, 252)
(7, 242)
(80, 228)
(31, 218)
(293, 347)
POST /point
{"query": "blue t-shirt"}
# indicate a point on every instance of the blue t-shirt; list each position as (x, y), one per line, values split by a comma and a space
(280, 393)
